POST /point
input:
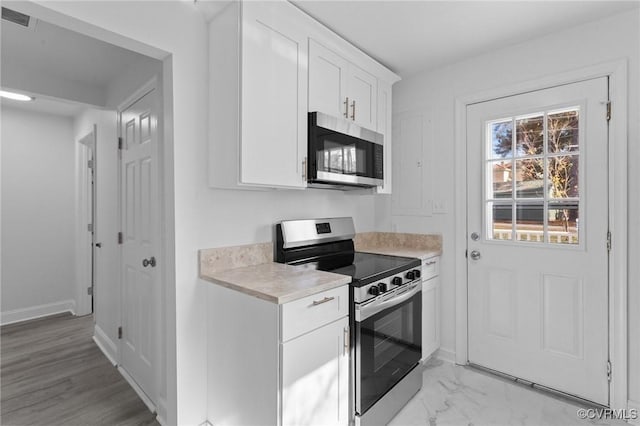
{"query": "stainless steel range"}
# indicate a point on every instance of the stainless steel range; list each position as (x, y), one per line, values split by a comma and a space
(385, 312)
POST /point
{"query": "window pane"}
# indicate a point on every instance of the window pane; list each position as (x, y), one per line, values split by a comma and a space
(500, 221)
(563, 222)
(530, 178)
(501, 178)
(530, 222)
(562, 128)
(501, 139)
(563, 176)
(530, 136)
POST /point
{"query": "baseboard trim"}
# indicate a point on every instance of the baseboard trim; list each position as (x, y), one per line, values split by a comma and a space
(106, 345)
(143, 396)
(33, 312)
(446, 355)
(161, 411)
(634, 405)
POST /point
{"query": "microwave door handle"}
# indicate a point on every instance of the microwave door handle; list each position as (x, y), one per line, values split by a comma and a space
(370, 310)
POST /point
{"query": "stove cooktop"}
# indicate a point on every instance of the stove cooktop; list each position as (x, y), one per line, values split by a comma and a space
(368, 267)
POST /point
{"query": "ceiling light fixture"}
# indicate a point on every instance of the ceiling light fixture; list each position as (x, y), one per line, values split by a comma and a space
(16, 96)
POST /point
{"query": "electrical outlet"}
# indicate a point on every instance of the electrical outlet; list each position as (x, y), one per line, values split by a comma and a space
(439, 207)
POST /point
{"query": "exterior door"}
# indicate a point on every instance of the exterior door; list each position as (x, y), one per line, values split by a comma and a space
(140, 230)
(537, 237)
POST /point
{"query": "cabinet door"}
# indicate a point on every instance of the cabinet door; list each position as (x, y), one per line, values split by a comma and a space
(362, 90)
(384, 127)
(327, 81)
(274, 96)
(430, 316)
(315, 377)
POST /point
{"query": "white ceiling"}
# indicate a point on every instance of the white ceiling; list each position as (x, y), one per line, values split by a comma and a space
(64, 54)
(411, 36)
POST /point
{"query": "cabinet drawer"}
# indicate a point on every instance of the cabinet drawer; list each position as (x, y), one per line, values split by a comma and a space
(430, 268)
(311, 312)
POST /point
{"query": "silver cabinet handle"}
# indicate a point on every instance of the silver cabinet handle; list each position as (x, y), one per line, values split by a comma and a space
(353, 110)
(433, 262)
(304, 169)
(475, 255)
(320, 302)
(346, 107)
(345, 348)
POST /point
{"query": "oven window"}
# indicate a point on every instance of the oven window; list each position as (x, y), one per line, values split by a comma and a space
(392, 334)
(388, 346)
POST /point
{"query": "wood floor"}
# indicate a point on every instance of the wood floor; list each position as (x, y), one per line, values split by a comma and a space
(52, 373)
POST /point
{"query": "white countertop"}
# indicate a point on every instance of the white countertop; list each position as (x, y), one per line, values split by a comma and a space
(276, 282)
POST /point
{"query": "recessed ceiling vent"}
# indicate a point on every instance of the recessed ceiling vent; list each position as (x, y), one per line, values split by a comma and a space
(16, 17)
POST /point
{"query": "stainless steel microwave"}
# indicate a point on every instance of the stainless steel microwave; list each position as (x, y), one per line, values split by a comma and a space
(343, 155)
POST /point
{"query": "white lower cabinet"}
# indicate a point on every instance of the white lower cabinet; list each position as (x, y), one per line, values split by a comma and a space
(315, 376)
(430, 306)
(271, 364)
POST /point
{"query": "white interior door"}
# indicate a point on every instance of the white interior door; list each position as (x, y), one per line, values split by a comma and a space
(140, 242)
(537, 237)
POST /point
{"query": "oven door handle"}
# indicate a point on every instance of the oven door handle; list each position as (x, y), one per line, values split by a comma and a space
(372, 309)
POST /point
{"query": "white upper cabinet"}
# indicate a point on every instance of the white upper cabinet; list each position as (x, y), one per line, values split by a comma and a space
(258, 96)
(274, 120)
(384, 127)
(270, 64)
(341, 89)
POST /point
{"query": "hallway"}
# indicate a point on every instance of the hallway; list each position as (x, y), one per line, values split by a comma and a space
(54, 374)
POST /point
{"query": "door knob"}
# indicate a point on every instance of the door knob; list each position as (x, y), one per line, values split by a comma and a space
(475, 236)
(99, 245)
(475, 255)
(149, 262)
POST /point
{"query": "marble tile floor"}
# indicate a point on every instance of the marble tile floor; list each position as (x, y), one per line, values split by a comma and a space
(454, 395)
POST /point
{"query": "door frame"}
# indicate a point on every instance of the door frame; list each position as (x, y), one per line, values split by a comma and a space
(617, 211)
(85, 254)
(153, 401)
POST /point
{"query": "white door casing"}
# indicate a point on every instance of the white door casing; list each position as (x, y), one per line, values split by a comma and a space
(538, 310)
(85, 155)
(139, 207)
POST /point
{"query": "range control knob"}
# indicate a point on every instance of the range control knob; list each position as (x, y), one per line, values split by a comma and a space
(396, 281)
(417, 273)
(382, 287)
(411, 275)
(374, 290)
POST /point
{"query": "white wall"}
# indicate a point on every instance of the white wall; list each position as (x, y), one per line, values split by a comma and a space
(38, 214)
(605, 40)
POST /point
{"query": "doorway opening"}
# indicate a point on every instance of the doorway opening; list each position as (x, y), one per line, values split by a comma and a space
(85, 82)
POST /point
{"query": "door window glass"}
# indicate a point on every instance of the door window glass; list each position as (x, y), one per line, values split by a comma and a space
(532, 170)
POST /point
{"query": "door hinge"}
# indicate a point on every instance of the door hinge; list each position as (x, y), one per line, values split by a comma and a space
(90, 227)
(90, 164)
(120, 332)
(608, 110)
(608, 240)
(90, 291)
(119, 143)
(609, 371)
(120, 238)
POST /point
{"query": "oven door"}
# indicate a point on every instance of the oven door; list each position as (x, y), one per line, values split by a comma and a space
(342, 153)
(388, 337)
